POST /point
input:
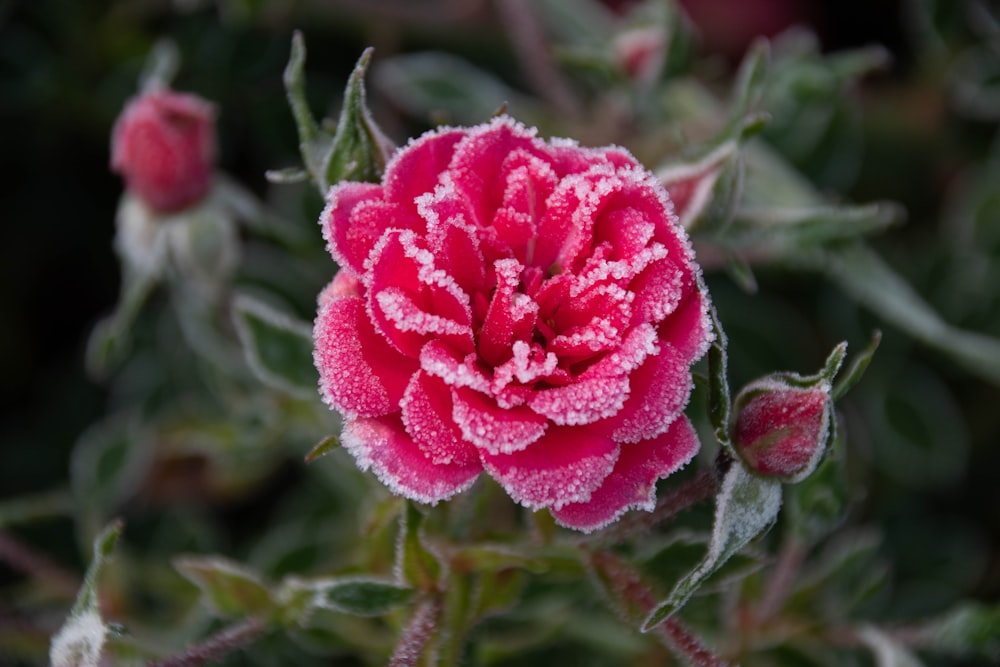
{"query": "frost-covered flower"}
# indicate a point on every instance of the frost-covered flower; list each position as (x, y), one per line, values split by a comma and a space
(781, 430)
(522, 307)
(164, 145)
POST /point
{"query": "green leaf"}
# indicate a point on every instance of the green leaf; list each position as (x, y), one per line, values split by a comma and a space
(358, 596)
(228, 588)
(313, 144)
(887, 651)
(782, 230)
(750, 79)
(81, 639)
(970, 628)
(445, 88)
(278, 348)
(322, 448)
(866, 277)
(746, 506)
(107, 468)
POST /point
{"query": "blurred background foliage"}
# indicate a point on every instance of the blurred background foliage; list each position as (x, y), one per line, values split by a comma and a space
(211, 474)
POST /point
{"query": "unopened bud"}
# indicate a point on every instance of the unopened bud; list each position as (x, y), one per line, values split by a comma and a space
(164, 146)
(781, 430)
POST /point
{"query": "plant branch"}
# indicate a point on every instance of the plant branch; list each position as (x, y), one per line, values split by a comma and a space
(417, 634)
(215, 647)
(28, 560)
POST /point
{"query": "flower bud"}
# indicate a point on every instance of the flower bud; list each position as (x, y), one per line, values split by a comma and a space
(781, 430)
(163, 144)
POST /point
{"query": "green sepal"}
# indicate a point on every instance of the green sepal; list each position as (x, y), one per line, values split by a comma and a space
(359, 596)
(719, 400)
(357, 150)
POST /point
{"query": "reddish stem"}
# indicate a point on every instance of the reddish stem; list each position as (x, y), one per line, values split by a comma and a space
(27, 560)
(628, 586)
(691, 492)
(217, 646)
(417, 634)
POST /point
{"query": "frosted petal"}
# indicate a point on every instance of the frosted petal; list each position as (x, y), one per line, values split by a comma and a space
(410, 301)
(416, 169)
(453, 366)
(495, 429)
(511, 315)
(427, 416)
(632, 483)
(660, 389)
(355, 218)
(359, 373)
(383, 445)
(564, 466)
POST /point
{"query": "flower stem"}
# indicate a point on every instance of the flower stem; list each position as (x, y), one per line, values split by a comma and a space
(418, 633)
(215, 647)
(28, 560)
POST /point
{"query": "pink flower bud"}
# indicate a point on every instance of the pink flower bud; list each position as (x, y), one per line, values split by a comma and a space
(640, 52)
(782, 430)
(163, 144)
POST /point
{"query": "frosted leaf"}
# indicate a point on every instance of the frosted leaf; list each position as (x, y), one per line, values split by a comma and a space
(746, 506)
(887, 652)
(79, 642)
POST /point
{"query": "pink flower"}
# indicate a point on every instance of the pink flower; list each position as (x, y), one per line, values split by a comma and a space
(782, 430)
(163, 144)
(525, 308)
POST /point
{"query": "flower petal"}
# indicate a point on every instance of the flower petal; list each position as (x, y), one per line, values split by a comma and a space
(564, 466)
(688, 328)
(427, 416)
(359, 373)
(354, 220)
(497, 430)
(632, 483)
(660, 389)
(600, 391)
(416, 169)
(410, 301)
(383, 445)
(511, 315)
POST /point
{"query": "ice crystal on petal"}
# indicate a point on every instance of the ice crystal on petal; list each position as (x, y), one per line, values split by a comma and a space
(525, 307)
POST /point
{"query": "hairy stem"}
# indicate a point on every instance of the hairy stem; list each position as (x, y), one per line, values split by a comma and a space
(217, 646)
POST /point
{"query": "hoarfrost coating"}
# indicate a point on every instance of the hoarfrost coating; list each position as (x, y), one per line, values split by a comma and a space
(525, 308)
